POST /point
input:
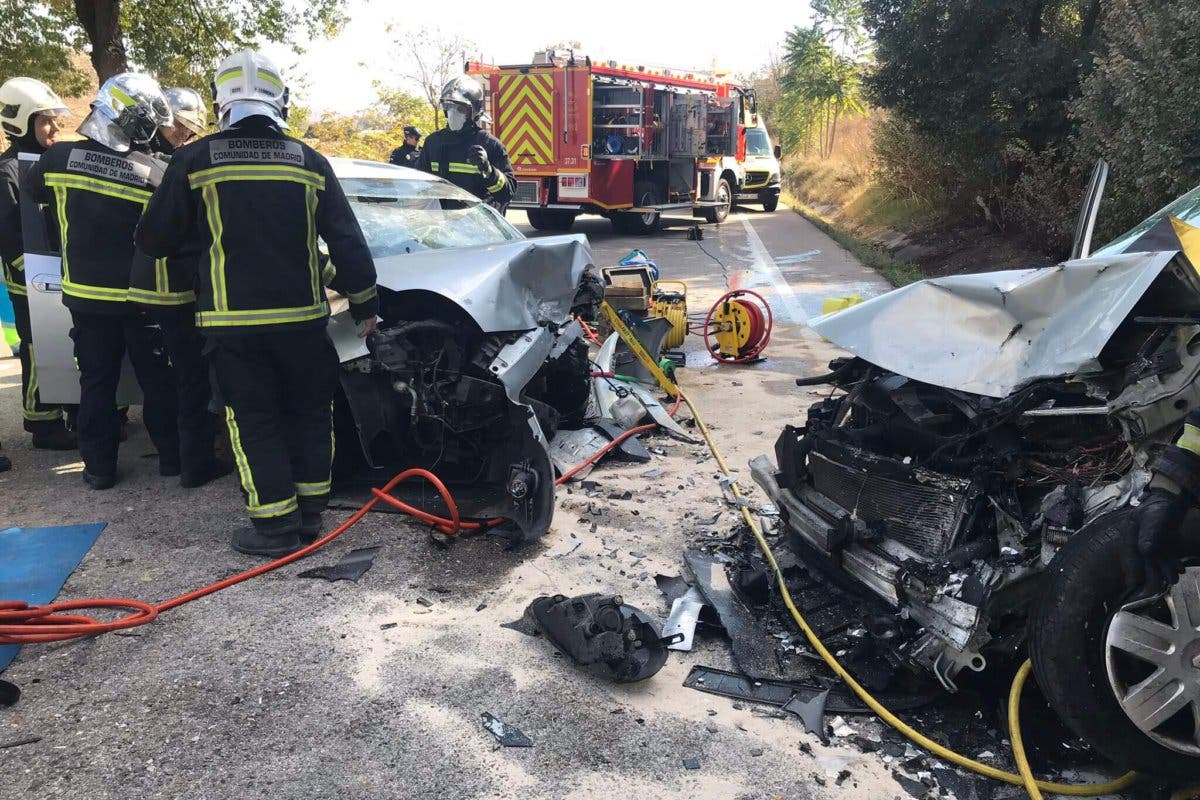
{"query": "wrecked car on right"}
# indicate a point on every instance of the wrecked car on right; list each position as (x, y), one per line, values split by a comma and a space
(976, 466)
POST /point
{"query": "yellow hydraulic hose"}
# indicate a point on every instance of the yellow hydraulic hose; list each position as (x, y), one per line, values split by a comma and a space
(1025, 778)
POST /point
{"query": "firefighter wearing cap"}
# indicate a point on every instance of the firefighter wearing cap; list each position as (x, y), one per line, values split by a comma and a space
(465, 154)
(165, 288)
(96, 190)
(258, 200)
(30, 114)
(406, 155)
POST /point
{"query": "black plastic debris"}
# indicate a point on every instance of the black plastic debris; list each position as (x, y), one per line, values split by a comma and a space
(672, 586)
(600, 632)
(505, 734)
(775, 693)
(691, 763)
(629, 450)
(811, 712)
(9, 693)
(352, 566)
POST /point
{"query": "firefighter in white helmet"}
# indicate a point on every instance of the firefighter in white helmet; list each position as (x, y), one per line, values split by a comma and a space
(30, 116)
(257, 200)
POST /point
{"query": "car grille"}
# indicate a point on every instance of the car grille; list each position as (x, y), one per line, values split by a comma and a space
(924, 516)
(754, 178)
(527, 192)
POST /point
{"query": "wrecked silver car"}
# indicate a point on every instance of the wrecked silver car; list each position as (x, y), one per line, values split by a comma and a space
(476, 360)
(972, 473)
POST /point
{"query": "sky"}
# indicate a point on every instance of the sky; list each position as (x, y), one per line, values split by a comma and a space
(336, 75)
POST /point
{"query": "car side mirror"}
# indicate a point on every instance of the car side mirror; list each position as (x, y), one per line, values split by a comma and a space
(778, 151)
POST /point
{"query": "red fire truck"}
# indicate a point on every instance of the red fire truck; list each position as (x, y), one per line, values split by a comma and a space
(625, 142)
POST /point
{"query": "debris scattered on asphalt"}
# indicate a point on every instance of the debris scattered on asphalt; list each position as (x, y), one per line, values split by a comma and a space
(691, 763)
(568, 547)
(653, 474)
(756, 751)
(505, 734)
(352, 566)
(600, 632)
(387, 626)
(775, 693)
(840, 728)
(10, 693)
(481, 607)
(685, 613)
(672, 586)
(421, 601)
(20, 742)
(811, 712)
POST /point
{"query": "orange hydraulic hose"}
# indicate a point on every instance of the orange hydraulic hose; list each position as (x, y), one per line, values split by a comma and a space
(22, 624)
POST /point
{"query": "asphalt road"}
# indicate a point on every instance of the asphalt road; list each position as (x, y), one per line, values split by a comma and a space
(285, 687)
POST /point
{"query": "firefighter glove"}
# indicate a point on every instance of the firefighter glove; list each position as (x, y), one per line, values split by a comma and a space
(478, 157)
(1149, 564)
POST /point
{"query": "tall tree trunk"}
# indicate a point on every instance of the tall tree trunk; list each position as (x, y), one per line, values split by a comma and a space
(837, 112)
(101, 19)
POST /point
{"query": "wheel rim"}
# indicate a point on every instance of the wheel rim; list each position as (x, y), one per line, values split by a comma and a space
(1152, 655)
(723, 197)
(648, 218)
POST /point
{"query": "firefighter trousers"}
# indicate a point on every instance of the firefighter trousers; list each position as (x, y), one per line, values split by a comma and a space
(277, 386)
(38, 417)
(189, 368)
(101, 343)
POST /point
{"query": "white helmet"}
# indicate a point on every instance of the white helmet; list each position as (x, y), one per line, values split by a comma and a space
(248, 84)
(21, 98)
(187, 108)
(127, 110)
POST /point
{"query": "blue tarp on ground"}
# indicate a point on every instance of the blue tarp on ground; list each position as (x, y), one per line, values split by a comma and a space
(36, 562)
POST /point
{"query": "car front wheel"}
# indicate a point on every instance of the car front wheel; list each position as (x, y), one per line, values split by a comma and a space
(1125, 677)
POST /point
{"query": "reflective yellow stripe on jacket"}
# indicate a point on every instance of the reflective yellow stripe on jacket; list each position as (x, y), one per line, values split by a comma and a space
(15, 283)
(207, 180)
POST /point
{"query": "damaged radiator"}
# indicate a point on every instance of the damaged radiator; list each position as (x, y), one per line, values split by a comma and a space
(922, 510)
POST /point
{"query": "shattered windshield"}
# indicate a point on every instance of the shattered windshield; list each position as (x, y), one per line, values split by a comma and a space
(1185, 207)
(407, 216)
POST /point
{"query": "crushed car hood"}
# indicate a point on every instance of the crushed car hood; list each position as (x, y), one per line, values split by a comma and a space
(993, 332)
(513, 286)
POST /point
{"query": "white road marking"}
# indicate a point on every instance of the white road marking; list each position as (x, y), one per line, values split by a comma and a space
(765, 265)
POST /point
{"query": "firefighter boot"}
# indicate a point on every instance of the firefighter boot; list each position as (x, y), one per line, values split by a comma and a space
(310, 527)
(272, 538)
(55, 438)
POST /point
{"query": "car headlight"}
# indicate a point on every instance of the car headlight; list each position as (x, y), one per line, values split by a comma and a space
(774, 178)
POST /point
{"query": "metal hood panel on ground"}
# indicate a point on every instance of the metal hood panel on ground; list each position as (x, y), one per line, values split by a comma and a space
(991, 333)
(513, 286)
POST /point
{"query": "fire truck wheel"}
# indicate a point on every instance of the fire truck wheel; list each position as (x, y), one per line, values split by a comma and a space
(537, 218)
(644, 194)
(718, 213)
(770, 202)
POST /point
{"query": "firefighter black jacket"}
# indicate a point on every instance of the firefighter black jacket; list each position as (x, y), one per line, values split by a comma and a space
(445, 155)
(96, 197)
(256, 201)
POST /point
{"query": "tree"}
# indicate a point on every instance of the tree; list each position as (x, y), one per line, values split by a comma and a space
(987, 82)
(433, 58)
(820, 84)
(178, 42)
(38, 40)
(1138, 108)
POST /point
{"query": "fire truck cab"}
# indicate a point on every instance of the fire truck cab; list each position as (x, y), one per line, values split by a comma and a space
(629, 143)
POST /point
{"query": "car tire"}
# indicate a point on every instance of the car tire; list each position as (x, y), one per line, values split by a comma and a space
(716, 215)
(644, 194)
(1083, 588)
(770, 202)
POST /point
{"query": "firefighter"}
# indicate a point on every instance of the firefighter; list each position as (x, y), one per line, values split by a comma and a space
(96, 190)
(165, 288)
(258, 200)
(30, 115)
(189, 120)
(406, 155)
(1150, 559)
(465, 154)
